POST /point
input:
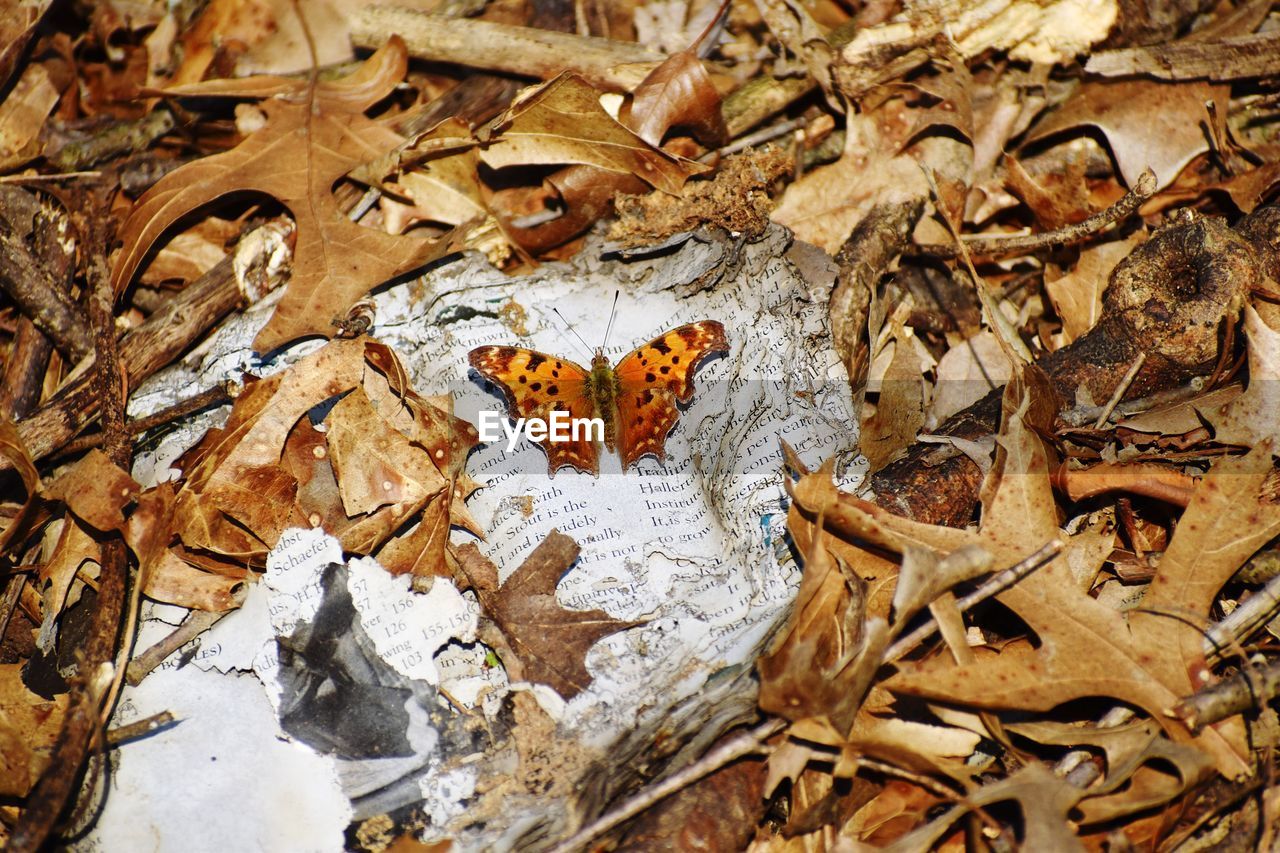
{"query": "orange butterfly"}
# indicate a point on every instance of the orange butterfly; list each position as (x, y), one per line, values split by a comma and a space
(636, 400)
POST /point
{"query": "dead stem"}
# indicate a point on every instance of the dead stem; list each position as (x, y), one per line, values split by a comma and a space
(1021, 244)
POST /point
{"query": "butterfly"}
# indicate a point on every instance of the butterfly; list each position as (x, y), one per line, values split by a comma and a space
(636, 400)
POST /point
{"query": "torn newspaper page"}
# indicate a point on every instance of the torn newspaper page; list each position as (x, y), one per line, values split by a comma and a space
(694, 547)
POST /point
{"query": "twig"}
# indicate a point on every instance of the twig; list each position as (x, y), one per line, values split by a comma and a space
(1252, 687)
(12, 592)
(1256, 611)
(24, 371)
(140, 728)
(29, 282)
(743, 743)
(1221, 636)
(1142, 190)
(60, 176)
(524, 51)
(165, 335)
(81, 722)
(196, 623)
(1081, 415)
(1125, 382)
(994, 585)
(1013, 346)
(759, 137)
(223, 392)
(928, 783)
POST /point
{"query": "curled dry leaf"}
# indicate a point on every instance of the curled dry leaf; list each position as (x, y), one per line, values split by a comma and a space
(678, 93)
(385, 455)
(903, 391)
(586, 191)
(562, 121)
(96, 490)
(1254, 416)
(820, 665)
(1044, 799)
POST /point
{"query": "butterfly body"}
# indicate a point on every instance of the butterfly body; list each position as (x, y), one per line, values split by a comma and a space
(636, 401)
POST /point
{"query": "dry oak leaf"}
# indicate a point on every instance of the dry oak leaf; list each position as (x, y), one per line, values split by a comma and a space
(313, 136)
(550, 642)
(1149, 658)
(1138, 759)
(1046, 802)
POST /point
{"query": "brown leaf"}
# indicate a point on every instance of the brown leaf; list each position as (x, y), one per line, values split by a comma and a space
(1077, 295)
(1148, 124)
(1136, 754)
(22, 114)
(1087, 648)
(236, 474)
(550, 642)
(1045, 801)
(75, 547)
(678, 93)
(13, 450)
(897, 808)
(29, 725)
(96, 490)
(1254, 416)
(823, 206)
(821, 663)
(563, 122)
(308, 143)
(899, 411)
(374, 464)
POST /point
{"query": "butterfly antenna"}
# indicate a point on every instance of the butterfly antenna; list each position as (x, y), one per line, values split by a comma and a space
(570, 327)
(613, 313)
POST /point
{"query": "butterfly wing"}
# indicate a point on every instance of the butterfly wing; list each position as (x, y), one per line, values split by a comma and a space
(537, 384)
(653, 379)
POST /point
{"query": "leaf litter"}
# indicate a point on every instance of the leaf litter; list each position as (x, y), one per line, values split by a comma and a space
(915, 686)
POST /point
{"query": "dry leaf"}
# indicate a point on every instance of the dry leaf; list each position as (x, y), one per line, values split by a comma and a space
(550, 642)
(1077, 294)
(965, 374)
(1254, 416)
(562, 122)
(1137, 754)
(1148, 124)
(385, 455)
(678, 93)
(899, 410)
(826, 203)
(1045, 801)
(309, 141)
(22, 115)
(96, 490)
(821, 662)
(29, 724)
